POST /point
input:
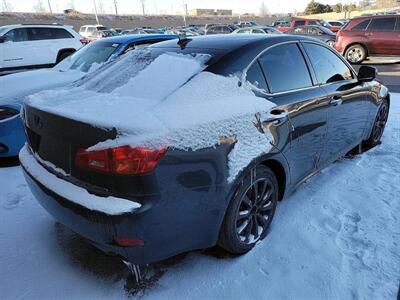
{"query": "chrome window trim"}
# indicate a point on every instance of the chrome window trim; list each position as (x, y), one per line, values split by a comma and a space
(353, 72)
(267, 93)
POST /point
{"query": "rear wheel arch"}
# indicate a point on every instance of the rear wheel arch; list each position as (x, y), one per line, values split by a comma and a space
(280, 173)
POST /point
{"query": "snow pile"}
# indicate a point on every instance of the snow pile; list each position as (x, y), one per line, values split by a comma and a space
(108, 205)
(168, 102)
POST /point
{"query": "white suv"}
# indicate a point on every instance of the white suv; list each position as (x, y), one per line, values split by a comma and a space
(31, 46)
(88, 30)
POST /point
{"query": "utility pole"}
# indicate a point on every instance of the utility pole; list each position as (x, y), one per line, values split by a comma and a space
(116, 7)
(184, 12)
(95, 12)
(51, 11)
(143, 10)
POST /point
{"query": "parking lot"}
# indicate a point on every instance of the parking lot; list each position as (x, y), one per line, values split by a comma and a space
(388, 70)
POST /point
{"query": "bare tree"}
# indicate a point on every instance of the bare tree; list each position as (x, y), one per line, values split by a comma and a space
(6, 6)
(101, 7)
(39, 7)
(263, 10)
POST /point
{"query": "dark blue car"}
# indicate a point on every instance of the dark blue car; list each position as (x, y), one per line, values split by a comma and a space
(15, 87)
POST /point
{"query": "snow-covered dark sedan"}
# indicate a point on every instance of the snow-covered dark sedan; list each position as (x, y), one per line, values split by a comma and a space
(192, 143)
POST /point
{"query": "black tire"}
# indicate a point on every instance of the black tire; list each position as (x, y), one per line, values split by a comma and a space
(63, 55)
(356, 54)
(236, 236)
(379, 125)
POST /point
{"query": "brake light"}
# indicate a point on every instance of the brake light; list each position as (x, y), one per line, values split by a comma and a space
(84, 41)
(128, 241)
(123, 160)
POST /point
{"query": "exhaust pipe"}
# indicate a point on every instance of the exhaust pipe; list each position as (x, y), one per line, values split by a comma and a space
(134, 269)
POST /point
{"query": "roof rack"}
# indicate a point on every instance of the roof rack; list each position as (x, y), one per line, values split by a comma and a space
(45, 24)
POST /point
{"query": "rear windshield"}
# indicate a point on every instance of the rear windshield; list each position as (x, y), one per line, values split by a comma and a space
(116, 74)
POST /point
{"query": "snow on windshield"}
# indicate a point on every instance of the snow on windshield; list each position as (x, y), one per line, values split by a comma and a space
(168, 100)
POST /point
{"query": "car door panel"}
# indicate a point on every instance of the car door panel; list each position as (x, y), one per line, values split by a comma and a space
(307, 125)
(346, 97)
(291, 89)
(347, 118)
(15, 52)
(380, 36)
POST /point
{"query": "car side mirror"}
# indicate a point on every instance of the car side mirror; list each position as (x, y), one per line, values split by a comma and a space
(367, 73)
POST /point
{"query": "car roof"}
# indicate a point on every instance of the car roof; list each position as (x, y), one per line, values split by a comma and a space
(128, 38)
(230, 53)
(52, 25)
(218, 41)
(375, 17)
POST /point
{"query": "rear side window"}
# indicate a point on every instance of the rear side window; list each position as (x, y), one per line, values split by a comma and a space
(83, 29)
(328, 66)
(16, 35)
(59, 33)
(259, 31)
(361, 26)
(90, 29)
(299, 23)
(398, 24)
(256, 77)
(285, 68)
(37, 34)
(382, 24)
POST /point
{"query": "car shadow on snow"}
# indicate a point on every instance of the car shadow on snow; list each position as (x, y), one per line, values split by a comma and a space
(110, 268)
(6, 162)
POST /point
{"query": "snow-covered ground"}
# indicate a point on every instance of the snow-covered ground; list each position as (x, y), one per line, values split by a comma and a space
(337, 237)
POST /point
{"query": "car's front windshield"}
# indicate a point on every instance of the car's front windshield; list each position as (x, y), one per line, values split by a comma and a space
(89, 57)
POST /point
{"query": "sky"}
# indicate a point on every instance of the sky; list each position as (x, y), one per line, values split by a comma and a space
(166, 6)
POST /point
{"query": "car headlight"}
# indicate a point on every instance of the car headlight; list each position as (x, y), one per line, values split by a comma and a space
(7, 112)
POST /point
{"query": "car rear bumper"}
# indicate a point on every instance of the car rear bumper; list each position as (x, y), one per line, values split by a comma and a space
(167, 225)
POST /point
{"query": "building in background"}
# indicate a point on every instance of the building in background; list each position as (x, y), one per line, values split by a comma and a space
(201, 12)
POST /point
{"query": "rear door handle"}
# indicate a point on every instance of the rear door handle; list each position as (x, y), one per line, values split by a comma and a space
(336, 101)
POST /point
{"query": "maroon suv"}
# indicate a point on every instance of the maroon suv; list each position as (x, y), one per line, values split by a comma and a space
(369, 36)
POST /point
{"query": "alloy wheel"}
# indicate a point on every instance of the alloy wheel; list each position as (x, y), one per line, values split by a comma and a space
(255, 211)
(355, 55)
(380, 122)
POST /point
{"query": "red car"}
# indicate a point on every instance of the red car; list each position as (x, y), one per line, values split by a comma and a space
(296, 22)
(369, 36)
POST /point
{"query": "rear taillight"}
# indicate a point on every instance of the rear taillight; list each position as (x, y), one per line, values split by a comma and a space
(123, 160)
(84, 41)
